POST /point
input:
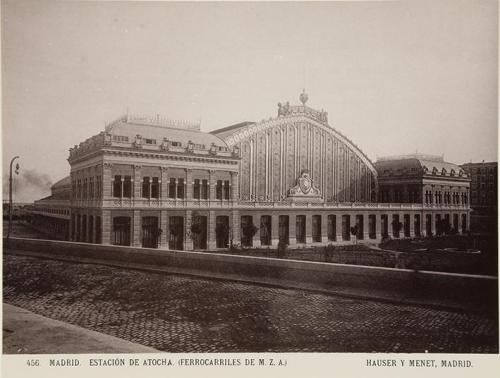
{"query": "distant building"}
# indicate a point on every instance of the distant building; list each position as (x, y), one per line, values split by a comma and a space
(154, 182)
(430, 181)
(484, 189)
(52, 214)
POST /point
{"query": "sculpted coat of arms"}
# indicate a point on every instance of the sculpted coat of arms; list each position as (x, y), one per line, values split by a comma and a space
(304, 187)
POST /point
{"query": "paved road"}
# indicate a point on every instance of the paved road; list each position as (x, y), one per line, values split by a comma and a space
(182, 314)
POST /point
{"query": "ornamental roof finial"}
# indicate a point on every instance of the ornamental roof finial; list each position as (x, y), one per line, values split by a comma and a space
(303, 97)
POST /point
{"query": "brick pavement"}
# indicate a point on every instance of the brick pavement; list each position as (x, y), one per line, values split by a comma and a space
(183, 314)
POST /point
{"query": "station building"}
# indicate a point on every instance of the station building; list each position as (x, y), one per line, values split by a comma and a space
(158, 183)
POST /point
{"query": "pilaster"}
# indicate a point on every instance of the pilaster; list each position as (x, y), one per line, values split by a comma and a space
(188, 241)
(136, 229)
(274, 230)
(106, 225)
(308, 229)
(236, 227)
(324, 228)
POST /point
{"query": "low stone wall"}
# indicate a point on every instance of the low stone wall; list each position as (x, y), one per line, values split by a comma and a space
(421, 287)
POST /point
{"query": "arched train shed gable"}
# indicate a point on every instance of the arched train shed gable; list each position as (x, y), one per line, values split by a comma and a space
(275, 152)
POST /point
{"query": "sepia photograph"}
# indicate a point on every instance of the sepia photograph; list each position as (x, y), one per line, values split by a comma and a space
(226, 185)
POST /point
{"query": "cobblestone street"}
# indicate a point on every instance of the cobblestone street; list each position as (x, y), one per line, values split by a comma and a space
(183, 314)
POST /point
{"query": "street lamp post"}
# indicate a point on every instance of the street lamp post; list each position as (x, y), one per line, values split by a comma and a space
(10, 194)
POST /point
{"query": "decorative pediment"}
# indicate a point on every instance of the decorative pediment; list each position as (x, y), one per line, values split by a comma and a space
(305, 189)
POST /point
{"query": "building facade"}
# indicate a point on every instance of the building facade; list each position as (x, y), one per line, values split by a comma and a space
(51, 214)
(293, 178)
(484, 190)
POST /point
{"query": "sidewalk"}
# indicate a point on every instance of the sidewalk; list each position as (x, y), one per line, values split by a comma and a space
(28, 333)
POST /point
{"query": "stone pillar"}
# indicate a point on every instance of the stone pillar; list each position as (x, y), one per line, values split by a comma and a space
(292, 228)
(107, 188)
(71, 225)
(189, 184)
(274, 230)
(256, 222)
(164, 183)
(412, 225)
(211, 230)
(378, 226)
(211, 186)
(163, 241)
(308, 228)
(338, 228)
(366, 226)
(236, 227)
(106, 227)
(188, 241)
(136, 229)
(324, 228)
(137, 182)
(433, 223)
(94, 236)
(235, 186)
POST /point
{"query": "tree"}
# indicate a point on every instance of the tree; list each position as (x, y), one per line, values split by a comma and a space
(249, 230)
(396, 227)
(354, 232)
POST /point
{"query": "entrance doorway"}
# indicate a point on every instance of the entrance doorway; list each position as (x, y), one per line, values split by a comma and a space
(121, 231)
(176, 233)
(199, 232)
(150, 232)
(283, 229)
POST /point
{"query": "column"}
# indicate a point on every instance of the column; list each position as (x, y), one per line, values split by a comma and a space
(236, 227)
(211, 185)
(292, 228)
(71, 225)
(164, 185)
(338, 227)
(211, 230)
(433, 224)
(324, 228)
(256, 222)
(106, 226)
(107, 188)
(274, 230)
(137, 182)
(94, 228)
(136, 229)
(412, 225)
(366, 226)
(308, 228)
(235, 186)
(189, 184)
(188, 241)
(163, 241)
(378, 226)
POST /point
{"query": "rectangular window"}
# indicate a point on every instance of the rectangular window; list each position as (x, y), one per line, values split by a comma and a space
(150, 141)
(180, 188)
(146, 187)
(204, 189)
(171, 188)
(196, 189)
(117, 186)
(218, 190)
(120, 138)
(127, 186)
(176, 144)
(155, 188)
(226, 190)
(84, 188)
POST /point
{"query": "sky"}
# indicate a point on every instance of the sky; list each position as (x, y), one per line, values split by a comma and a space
(395, 77)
